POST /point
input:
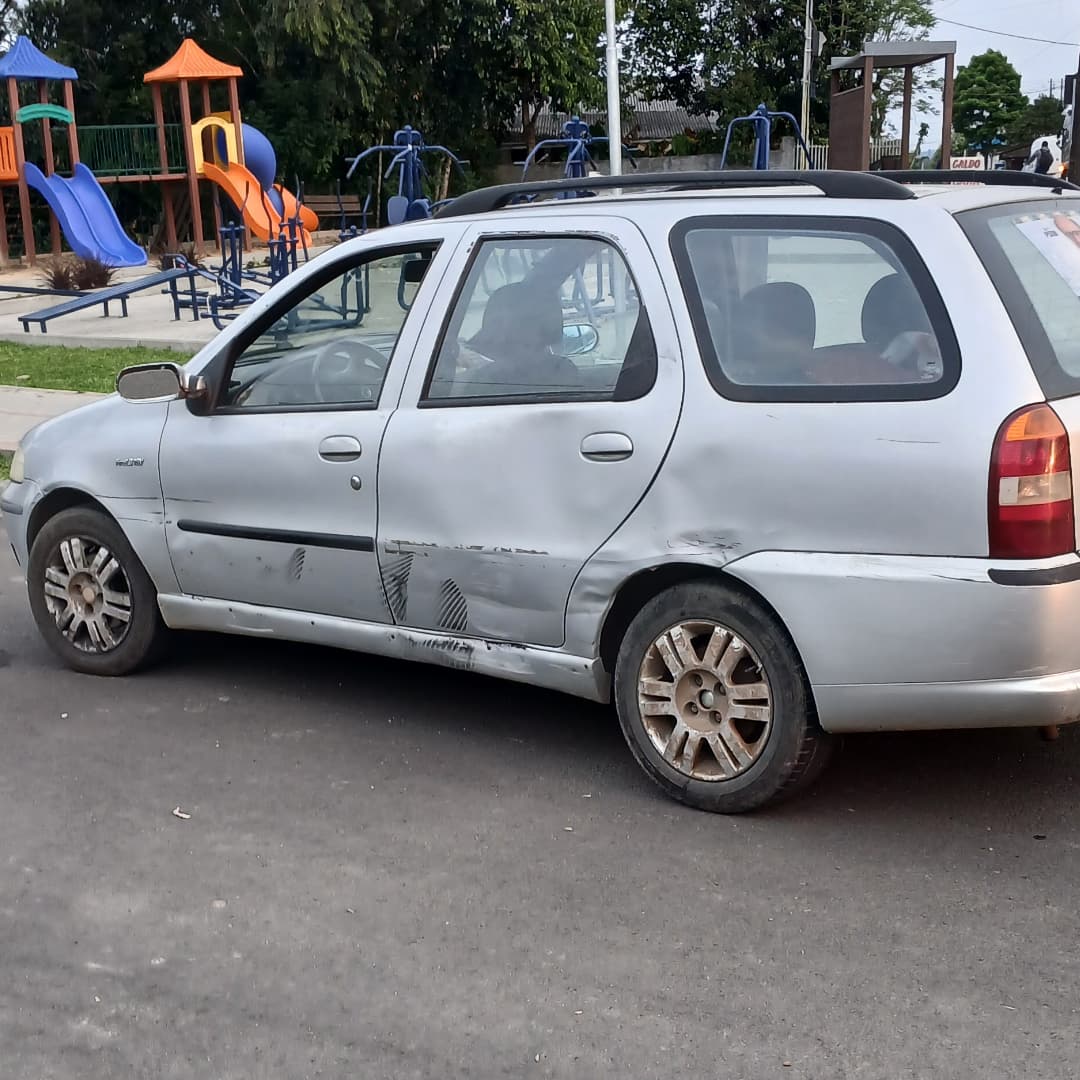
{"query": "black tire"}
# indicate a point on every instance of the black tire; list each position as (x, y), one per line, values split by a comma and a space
(140, 640)
(795, 750)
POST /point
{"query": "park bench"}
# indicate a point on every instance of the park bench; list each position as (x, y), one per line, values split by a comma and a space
(337, 211)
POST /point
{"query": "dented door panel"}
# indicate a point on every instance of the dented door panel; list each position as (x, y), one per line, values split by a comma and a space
(487, 512)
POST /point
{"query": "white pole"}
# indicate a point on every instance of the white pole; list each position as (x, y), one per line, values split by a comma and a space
(807, 65)
(613, 112)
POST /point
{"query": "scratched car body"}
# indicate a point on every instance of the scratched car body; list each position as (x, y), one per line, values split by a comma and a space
(760, 465)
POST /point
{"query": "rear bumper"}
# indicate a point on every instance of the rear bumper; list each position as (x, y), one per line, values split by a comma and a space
(911, 643)
(1035, 702)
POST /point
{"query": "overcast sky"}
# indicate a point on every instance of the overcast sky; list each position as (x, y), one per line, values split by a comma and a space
(1037, 61)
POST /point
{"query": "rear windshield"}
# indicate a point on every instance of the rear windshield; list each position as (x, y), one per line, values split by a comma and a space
(1032, 252)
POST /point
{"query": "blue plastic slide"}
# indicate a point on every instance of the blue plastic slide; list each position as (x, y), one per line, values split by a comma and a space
(86, 216)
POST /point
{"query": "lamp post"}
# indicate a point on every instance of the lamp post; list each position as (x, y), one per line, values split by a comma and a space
(614, 117)
(807, 67)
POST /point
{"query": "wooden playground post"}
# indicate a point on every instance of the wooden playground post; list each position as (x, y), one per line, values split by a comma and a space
(193, 180)
(50, 162)
(234, 114)
(72, 131)
(163, 156)
(206, 111)
(20, 167)
(238, 128)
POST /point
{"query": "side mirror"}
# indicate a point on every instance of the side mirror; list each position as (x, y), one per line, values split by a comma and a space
(150, 382)
(579, 338)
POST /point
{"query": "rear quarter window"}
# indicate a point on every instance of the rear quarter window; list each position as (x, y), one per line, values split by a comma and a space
(1032, 253)
(814, 309)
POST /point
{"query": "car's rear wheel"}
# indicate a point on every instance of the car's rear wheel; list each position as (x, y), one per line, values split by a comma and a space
(714, 701)
(93, 601)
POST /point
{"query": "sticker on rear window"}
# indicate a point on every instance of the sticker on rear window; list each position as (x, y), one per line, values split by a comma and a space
(1057, 239)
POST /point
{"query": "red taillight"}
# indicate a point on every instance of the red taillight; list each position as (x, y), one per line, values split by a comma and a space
(1031, 499)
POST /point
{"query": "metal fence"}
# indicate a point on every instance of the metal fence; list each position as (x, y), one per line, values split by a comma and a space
(129, 149)
(879, 148)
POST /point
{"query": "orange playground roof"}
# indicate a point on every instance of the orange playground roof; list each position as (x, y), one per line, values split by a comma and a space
(194, 63)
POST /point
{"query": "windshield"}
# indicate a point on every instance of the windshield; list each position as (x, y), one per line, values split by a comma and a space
(1032, 252)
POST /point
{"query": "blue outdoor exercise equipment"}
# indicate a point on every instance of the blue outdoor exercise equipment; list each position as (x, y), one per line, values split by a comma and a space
(762, 120)
(408, 149)
(577, 140)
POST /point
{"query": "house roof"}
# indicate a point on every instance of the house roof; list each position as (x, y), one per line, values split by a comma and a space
(26, 61)
(192, 62)
(642, 118)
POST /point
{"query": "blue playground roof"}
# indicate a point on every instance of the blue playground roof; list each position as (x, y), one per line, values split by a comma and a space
(26, 61)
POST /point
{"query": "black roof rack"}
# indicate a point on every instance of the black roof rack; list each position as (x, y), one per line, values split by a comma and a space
(833, 183)
(988, 177)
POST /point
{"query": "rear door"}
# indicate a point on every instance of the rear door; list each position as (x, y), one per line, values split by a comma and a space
(532, 422)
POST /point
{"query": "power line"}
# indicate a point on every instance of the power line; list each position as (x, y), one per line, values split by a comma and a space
(1005, 33)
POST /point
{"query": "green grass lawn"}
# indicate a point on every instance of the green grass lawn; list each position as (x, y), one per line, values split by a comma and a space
(54, 367)
(5, 465)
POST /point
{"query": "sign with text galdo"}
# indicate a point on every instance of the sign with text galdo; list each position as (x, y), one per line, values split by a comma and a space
(974, 161)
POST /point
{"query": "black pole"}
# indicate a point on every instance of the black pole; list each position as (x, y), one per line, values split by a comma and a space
(1074, 149)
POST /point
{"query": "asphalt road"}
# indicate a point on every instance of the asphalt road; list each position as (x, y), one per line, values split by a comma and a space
(392, 871)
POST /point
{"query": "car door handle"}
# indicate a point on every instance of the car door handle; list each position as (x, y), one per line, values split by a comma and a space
(607, 446)
(339, 448)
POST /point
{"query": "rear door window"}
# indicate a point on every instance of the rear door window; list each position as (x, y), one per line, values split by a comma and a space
(1032, 252)
(822, 309)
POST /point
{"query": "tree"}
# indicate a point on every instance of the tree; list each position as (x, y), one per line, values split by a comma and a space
(545, 52)
(1041, 117)
(728, 55)
(987, 100)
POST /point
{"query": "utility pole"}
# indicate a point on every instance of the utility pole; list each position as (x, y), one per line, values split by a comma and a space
(614, 116)
(1074, 142)
(807, 67)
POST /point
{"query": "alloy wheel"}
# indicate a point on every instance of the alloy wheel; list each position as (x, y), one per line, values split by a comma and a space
(88, 594)
(705, 700)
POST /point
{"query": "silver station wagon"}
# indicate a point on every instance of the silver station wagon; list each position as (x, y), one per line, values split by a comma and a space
(759, 457)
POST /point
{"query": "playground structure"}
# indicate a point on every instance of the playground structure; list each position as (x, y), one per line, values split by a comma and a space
(79, 205)
(408, 150)
(214, 146)
(220, 148)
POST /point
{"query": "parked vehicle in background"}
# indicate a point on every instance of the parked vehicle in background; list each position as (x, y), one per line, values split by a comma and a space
(760, 457)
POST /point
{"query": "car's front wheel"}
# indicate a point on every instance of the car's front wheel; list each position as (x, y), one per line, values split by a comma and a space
(93, 601)
(714, 702)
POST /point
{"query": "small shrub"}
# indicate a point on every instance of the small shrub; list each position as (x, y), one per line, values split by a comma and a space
(93, 274)
(168, 259)
(58, 273)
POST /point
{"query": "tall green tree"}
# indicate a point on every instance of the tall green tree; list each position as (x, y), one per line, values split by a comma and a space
(987, 100)
(1040, 117)
(728, 55)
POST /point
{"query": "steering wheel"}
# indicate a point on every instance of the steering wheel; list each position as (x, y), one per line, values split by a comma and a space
(348, 362)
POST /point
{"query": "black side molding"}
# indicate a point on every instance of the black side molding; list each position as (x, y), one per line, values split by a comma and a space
(1052, 575)
(280, 536)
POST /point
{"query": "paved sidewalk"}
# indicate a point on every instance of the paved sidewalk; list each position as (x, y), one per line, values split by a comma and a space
(23, 407)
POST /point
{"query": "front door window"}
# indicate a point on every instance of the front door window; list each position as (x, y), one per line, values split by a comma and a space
(334, 346)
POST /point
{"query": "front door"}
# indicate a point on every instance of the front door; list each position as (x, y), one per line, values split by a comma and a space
(550, 398)
(270, 499)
